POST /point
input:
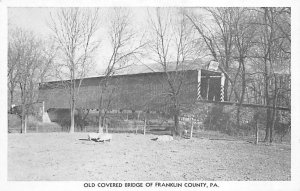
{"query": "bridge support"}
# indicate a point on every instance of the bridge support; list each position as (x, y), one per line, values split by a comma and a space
(199, 86)
(222, 87)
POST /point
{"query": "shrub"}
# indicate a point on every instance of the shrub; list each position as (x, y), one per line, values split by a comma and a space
(14, 123)
(217, 119)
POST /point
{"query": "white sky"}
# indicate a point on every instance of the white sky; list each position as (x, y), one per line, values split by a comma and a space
(35, 19)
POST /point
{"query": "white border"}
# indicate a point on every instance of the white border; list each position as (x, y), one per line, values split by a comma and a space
(225, 185)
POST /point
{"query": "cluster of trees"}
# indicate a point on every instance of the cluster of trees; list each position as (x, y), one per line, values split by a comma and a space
(30, 61)
(251, 45)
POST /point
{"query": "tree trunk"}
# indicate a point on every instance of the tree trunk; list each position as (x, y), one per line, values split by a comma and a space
(72, 127)
(243, 92)
(274, 112)
(267, 100)
(238, 114)
(176, 124)
(267, 135)
(273, 124)
(100, 114)
(72, 93)
(72, 109)
(255, 118)
(100, 123)
(11, 100)
(106, 125)
(22, 122)
(23, 113)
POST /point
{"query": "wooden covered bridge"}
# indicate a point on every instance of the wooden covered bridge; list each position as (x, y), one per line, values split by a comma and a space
(142, 91)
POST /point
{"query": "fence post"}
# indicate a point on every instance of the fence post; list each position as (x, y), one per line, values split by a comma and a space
(25, 124)
(256, 127)
(43, 108)
(145, 124)
(207, 89)
(192, 127)
(136, 127)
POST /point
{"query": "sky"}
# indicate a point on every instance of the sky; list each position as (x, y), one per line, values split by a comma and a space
(36, 19)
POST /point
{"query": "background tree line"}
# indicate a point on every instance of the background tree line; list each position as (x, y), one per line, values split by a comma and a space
(251, 45)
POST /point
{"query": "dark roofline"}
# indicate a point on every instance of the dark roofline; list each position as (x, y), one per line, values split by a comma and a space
(59, 83)
(123, 75)
(116, 75)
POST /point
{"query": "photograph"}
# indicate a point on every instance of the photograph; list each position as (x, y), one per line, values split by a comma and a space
(170, 95)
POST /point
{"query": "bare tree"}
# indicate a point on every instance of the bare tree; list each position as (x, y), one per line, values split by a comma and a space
(126, 49)
(272, 38)
(218, 36)
(13, 60)
(244, 34)
(28, 63)
(228, 41)
(74, 31)
(283, 23)
(257, 39)
(46, 70)
(171, 46)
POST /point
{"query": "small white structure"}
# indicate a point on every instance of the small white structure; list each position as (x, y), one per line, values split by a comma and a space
(45, 115)
(165, 138)
(213, 65)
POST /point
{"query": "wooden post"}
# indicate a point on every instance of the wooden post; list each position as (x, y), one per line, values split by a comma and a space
(209, 125)
(192, 127)
(256, 127)
(134, 123)
(25, 124)
(138, 118)
(43, 111)
(138, 115)
(256, 132)
(145, 123)
(136, 127)
(105, 123)
(207, 89)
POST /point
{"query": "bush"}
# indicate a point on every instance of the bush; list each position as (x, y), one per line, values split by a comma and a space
(33, 125)
(49, 127)
(14, 123)
(217, 119)
(223, 119)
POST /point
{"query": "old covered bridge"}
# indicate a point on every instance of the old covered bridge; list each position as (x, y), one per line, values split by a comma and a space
(143, 91)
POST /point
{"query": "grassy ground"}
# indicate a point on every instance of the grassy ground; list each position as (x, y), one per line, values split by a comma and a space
(63, 156)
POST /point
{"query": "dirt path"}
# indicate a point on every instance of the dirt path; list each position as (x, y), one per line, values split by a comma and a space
(62, 156)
